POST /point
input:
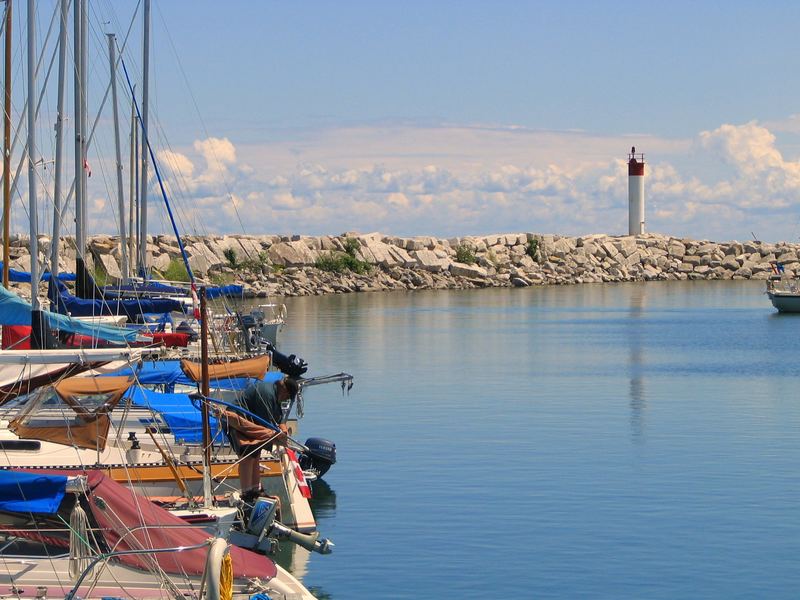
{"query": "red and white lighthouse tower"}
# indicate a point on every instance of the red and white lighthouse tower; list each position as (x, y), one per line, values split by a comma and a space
(635, 192)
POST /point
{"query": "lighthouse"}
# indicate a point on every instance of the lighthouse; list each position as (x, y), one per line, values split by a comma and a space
(635, 192)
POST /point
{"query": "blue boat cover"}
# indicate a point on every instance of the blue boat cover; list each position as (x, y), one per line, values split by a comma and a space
(168, 373)
(183, 418)
(25, 277)
(163, 288)
(31, 492)
(16, 311)
(79, 307)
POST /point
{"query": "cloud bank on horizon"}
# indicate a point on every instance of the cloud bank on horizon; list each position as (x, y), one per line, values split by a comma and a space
(456, 180)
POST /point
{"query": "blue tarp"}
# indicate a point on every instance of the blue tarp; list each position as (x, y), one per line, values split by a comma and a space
(183, 418)
(168, 373)
(212, 292)
(15, 311)
(31, 492)
(25, 277)
(79, 307)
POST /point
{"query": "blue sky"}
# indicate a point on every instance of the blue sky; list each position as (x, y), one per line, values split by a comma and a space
(455, 118)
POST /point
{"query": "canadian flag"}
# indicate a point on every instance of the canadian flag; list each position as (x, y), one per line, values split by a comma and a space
(196, 302)
(305, 489)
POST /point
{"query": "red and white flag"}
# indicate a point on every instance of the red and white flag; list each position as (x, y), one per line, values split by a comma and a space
(305, 489)
(196, 302)
(87, 168)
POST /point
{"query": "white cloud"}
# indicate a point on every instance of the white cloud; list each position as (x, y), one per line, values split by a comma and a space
(449, 180)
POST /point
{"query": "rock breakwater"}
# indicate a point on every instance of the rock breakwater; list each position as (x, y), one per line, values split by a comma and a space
(272, 265)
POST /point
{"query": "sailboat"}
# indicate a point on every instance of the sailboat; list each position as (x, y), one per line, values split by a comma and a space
(86, 536)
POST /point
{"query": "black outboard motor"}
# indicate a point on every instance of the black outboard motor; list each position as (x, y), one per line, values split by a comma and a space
(291, 365)
(320, 457)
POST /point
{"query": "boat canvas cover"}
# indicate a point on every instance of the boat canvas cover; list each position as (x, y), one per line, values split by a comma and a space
(90, 399)
(168, 373)
(16, 311)
(130, 522)
(31, 492)
(79, 307)
(25, 277)
(248, 367)
(184, 419)
(212, 292)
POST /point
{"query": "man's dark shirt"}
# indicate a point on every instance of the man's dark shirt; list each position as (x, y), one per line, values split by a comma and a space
(261, 398)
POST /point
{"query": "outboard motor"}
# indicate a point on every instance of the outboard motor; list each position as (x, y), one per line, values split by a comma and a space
(291, 365)
(320, 457)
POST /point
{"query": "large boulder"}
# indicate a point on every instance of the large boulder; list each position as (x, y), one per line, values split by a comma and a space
(427, 260)
(465, 270)
(291, 254)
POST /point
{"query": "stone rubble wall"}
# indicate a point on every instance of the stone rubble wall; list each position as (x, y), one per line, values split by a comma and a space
(272, 265)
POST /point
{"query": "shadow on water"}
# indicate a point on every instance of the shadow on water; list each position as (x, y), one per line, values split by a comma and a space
(323, 500)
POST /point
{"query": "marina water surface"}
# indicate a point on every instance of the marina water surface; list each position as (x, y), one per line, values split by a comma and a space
(604, 441)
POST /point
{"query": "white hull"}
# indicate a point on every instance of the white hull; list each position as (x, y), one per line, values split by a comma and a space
(785, 302)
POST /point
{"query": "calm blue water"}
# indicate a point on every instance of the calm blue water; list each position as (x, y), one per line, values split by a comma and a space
(617, 441)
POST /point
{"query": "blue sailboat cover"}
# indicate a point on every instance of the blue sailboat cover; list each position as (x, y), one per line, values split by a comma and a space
(31, 492)
(169, 374)
(25, 277)
(79, 307)
(183, 417)
(16, 311)
(212, 292)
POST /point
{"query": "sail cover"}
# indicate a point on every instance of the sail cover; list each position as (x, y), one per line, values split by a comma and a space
(168, 373)
(16, 311)
(31, 492)
(249, 367)
(129, 522)
(132, 309)
(212, 292)
(184, 419)
(25, 277)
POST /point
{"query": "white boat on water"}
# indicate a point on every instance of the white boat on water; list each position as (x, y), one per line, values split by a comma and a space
(784, 293)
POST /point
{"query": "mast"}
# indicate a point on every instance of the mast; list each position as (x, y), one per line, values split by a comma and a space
(145, 103)
(59, 166)
(120, 195)
(80, 239)
(7, 150)
(37, 332)
(204, 389)
(132, 193)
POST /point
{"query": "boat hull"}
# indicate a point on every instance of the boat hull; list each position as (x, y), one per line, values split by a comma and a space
(785, 302)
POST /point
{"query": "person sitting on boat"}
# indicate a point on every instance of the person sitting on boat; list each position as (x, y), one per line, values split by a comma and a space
(263, 399)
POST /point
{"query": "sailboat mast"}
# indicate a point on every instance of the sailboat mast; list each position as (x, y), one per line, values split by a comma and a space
(120, 194)
(204, 389)
(80, 239)
(32, 200)
(145, 105)
(59, 166)
(7, 150)
(132, 194)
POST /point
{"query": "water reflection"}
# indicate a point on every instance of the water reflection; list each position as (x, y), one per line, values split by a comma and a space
(638, 403)
(323, 500)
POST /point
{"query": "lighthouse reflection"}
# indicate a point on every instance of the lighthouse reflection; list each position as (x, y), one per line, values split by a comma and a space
(638, 404)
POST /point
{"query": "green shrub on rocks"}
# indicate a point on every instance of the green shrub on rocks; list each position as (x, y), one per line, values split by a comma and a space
(231, 257)
(532, 248)
(338, 262)
(176, 271)
(255, 264)
(351, 246)
(465, 254)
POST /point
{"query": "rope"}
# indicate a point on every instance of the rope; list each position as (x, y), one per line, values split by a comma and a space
(80, 554)
(226, 578)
